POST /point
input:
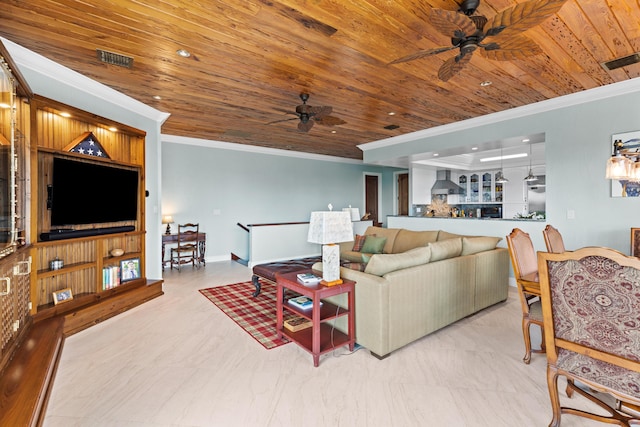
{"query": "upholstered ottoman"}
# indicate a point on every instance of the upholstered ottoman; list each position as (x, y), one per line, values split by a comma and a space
(268, 271)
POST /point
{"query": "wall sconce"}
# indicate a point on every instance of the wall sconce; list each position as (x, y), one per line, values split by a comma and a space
(167, 219)
(624, 163)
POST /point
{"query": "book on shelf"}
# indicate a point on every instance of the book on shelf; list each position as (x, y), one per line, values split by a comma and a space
(297, 324)
(302, 302)
(308, 279)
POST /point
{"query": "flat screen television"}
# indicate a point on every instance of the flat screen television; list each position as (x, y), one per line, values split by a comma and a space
(89, 193)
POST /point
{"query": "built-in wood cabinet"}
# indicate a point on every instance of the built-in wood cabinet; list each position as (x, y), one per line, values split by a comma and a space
(55, 130)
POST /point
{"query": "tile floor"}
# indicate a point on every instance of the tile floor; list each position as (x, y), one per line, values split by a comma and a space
(179, 361)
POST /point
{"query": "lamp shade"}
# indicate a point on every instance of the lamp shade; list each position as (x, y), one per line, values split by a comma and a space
(326, 227)
(618, 167)
(167, 219)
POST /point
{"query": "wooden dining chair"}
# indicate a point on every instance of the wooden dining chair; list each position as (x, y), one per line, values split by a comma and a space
(525, 269)
(590, 303)
(553, 239)
(186, 250)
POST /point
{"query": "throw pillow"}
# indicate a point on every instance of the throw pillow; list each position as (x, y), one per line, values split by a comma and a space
(358, 242)
(373, 245)
(445, 249)
(381, 264)
(365, 258)
(473, 245)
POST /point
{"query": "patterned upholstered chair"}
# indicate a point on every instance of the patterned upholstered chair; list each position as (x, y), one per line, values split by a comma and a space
(525, 269)
(553, 239)
(591, 308)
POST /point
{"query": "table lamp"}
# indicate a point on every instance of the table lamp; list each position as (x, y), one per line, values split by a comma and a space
(327, 229)
(167, 219)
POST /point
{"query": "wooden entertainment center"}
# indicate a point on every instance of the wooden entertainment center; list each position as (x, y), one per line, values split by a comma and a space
(33, 325)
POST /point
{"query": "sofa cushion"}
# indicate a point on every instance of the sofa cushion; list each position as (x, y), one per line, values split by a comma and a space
(444, 235)
(381, 264)
(445, 249)
(473, 245)
(389, 233)
(358, 241)
(374, 245)
(408, 239)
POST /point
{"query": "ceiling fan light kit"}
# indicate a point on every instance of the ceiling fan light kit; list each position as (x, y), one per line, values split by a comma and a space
(308, 115)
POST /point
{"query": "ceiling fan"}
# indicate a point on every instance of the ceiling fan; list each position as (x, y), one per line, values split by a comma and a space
(468, 32)
(309, 115)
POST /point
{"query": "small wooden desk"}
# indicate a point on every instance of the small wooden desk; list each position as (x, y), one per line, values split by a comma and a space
(173, 238)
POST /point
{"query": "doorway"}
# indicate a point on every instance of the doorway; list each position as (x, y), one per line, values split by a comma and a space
(402, 190)
(372, 197)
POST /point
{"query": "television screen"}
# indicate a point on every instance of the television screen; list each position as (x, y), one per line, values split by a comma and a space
(88, 193)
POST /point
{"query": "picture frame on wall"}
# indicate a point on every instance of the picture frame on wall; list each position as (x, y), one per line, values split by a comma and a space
(624, 188)
(635, 242)
(129, 269)
(61, 296)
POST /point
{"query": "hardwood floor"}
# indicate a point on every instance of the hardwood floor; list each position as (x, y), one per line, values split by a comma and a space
(179, 361)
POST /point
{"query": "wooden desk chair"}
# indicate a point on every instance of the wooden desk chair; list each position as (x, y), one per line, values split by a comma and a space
(525, 269)
(553, 240)
(186, 250)
(590, 302)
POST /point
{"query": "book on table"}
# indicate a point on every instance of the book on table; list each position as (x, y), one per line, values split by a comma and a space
(308, 279)
(302, 302)
(297, 324)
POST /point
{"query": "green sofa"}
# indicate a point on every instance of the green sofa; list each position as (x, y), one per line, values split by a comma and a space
(421, 282)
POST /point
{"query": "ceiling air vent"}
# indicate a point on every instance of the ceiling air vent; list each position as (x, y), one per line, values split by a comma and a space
(622, 62)
(115, 58)
(391, 127)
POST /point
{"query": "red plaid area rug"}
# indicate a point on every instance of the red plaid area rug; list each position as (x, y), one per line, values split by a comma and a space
(256, 315)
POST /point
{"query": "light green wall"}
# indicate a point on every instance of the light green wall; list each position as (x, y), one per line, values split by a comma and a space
(255, 188)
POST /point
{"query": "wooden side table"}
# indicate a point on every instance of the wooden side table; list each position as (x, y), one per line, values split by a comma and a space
(321, 337)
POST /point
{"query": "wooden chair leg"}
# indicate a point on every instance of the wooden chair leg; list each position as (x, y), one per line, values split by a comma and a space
(552, 384)
(527, 340)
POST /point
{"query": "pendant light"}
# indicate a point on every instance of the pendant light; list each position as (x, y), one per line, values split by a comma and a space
(531, 177)
(500, 179)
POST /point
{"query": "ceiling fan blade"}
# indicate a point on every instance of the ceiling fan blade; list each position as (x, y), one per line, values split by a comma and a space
(422, 54)
(452, 66)
(525, 15)
(448, 22)
(305, 127)
(515, 47)
(329, 121)
(320, 112)
(283, 120)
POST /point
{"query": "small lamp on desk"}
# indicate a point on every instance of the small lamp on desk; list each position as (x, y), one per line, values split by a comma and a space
(167, 219)
(327, 229)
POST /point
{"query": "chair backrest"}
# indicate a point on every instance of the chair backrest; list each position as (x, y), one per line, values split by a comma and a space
(553, 239)
(590, 302)
(188, 234)
(523, 256)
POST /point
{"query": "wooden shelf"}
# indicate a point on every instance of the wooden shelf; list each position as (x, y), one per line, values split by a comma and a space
(66, 269)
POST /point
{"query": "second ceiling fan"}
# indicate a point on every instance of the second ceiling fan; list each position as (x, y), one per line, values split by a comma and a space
(468, 33)
(309, 115)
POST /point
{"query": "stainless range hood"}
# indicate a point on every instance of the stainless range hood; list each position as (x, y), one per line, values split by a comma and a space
(444, 185)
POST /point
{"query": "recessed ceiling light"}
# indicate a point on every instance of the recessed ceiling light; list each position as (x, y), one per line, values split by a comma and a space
(508, 156)
(486, 83)
(112, 129)
(65, 114)
(334, 131)
(184, 53)
(157, 97)
(435, 154)
(526, 140)
(391, 113)
(474, 148)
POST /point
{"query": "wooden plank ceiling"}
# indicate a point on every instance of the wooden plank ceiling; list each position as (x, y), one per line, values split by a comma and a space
(251, 59)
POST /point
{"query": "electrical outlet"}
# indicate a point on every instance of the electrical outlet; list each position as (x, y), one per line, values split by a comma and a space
(16, 325)
(30, 305)
(571, 214)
